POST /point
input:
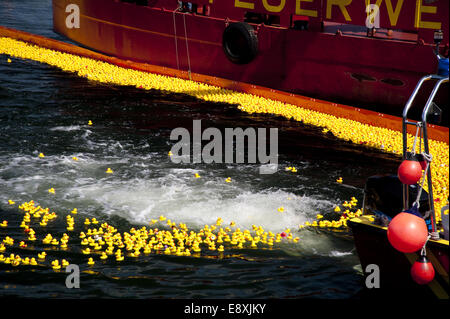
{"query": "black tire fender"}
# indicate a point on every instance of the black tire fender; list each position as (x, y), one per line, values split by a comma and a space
(240, 42)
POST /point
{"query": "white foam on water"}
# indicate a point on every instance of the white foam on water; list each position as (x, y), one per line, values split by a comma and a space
(174, 193)
(196, 202)
(336, 253)
(66, 128)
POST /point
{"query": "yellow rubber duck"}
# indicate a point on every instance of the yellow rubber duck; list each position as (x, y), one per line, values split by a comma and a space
(87, 222)
(170, 153)
(281, 209)
(8, 241)
(91, 261)
(33, 261)
(104, 256)
(228, 180)
(109, 171)
(41, 155)
(74, 211)
(51, 190)
(197, 175)
(90, 123)
(4, 224)
(74, 158)
(10, 202)
(337, 209)
(339, 180)
(65, 263)
(119, 258)
(9, 61)
(86, 251)
(42, 255)
(56, 265)
(94, 221)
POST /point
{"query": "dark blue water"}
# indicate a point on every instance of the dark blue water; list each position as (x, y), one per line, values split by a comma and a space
(43, 109)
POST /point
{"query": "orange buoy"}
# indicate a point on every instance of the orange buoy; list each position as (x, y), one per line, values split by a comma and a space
(422, 271)
(410, 170)
(407, 232)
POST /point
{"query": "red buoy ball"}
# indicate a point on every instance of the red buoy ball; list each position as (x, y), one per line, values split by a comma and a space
(283, 234)
(409, 172)
(407, 232)
(422, 271)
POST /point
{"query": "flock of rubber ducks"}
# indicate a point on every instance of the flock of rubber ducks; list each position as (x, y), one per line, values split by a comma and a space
(106, 241)
(171, 239)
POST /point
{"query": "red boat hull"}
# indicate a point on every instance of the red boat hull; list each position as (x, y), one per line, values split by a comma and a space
(366, 72)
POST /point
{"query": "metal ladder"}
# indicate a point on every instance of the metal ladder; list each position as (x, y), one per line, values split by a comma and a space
(423, 124)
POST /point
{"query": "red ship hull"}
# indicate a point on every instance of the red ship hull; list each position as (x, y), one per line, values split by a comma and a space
(366, 72)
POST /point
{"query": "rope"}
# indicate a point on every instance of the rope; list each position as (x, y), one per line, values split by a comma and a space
(187, 47)
(420, 142)
(418, 126)
(423, 251)
(175, 33)
(428, 158)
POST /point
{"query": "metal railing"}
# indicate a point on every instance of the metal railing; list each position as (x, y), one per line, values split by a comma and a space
(423, 126)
